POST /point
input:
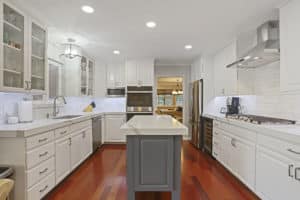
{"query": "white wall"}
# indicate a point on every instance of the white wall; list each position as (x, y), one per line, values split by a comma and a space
(100, 79)
(175, 71)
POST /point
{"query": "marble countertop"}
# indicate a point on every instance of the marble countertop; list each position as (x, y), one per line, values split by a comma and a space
(154, 125)
(43, 125)
(289, 133)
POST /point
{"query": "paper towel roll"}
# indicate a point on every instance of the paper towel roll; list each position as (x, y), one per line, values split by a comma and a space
(25, 111)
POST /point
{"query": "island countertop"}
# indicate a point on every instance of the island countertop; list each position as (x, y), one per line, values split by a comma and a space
(154, 125)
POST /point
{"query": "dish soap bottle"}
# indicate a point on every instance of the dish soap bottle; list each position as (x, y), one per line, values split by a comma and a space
(90, 107)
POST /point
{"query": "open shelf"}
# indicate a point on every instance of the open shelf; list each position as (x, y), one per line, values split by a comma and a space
(37, 77)
(37, 57)
(37, 39)
(12, 71)
(11, 47)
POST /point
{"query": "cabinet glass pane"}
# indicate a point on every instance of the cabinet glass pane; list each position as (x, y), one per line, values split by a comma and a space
(84, 76)
(38, 41)
(91, 78)
(13, 48)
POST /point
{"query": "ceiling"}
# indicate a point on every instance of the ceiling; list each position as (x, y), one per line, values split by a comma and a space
(120, 24)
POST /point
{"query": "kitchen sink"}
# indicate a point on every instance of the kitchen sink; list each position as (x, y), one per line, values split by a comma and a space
(67, 117)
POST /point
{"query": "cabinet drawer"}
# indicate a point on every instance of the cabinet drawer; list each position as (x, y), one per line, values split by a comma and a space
(39, 139)
(38, 191)
(61, 132)
(80, 125)
(40, 154)
(283, 147)
(239, 131)
(41, 171)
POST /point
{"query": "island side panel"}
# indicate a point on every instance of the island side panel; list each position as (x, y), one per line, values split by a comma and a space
(154, 163)
(130, 166)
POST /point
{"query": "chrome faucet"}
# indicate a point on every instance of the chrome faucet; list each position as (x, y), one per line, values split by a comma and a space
(55, 112)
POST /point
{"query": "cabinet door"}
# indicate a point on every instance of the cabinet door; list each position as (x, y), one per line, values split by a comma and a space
(146, 72)
(14, 75)
(87, 144)
(90, 78)
(112, 128)
(244, 156)
(131, 73)
(110, 76)
(76, 150)
(37, 51)
(115, 75)
(272, 176)
(225, 78)
(226, 151)
(289, 46)
(62, 158)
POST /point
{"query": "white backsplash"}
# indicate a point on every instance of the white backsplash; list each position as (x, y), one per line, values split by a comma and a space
(8, 105)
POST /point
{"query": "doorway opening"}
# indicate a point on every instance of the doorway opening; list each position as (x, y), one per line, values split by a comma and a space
(170, 99)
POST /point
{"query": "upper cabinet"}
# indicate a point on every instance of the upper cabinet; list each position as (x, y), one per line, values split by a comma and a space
(290, 47)
(225, 79)
(140, 72)
(115, 75)
(23, 52)
(38, 57)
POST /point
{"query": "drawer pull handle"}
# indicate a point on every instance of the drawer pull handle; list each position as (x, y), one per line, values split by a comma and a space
(290, 168)
(292, 151)
(43, 154)
(45, 170)
(296, 173)
(42, 190)
(64, 132)
(43, 140)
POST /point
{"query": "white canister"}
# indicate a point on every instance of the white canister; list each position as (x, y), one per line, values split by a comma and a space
(25, 111)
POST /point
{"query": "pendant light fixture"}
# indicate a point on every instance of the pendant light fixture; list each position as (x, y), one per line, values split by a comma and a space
(178, 90)
(71, 50)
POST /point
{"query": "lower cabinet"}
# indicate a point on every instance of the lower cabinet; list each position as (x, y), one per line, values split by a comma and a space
(63, 159)
(71, 150)
(112, 125)
(277, 176)
(236, 154)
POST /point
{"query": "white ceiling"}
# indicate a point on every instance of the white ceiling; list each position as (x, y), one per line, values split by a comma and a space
(120, 24)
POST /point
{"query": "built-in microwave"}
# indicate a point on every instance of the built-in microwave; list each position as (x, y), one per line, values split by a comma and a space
(115, 92)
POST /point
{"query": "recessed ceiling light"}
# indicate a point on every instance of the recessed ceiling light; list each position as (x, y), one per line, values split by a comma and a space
(188, 47)
(87, 9)
(256, 58)
(117, 52)
(247, 57)
(151, 24)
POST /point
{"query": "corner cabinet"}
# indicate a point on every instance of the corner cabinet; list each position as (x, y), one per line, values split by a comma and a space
(112, 124)
(139, 72)
(289, 47)
(23, 52)
(225, 81)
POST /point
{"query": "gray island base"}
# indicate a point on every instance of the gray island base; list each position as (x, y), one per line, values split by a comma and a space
(154, 154)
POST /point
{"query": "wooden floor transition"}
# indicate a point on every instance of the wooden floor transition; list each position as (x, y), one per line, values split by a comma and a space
(103, 177)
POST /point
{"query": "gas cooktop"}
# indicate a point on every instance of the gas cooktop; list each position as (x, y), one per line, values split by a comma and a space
(255, 119)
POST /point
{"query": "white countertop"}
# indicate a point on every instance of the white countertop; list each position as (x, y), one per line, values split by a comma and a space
(289, 133)
(154, 125)
(43, 125)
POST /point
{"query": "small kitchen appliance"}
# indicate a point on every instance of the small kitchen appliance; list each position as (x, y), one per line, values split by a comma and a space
(233, 105)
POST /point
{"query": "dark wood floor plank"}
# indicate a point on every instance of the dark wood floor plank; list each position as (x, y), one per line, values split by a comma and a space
(103, 177)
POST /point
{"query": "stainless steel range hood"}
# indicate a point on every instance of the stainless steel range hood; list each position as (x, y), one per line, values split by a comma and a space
(267, 49)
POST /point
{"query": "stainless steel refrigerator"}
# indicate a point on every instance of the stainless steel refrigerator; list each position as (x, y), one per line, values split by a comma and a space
(196, 111)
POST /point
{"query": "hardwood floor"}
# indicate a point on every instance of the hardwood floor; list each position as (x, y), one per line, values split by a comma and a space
(103, 177)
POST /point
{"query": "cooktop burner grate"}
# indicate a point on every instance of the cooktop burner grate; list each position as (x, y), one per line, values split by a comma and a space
(255, 119)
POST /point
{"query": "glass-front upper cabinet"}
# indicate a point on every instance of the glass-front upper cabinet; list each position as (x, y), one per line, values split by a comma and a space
(38, 57)
(90, 78)
(13, 65)
(84, 85)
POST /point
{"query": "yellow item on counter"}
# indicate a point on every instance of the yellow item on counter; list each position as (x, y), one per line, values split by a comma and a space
(6, 186)
(89, 108)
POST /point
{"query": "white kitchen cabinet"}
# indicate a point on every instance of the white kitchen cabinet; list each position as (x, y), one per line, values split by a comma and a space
(235, 153)
(275, 176)
(225, 79)
(87, 146)
(112, 128)
(63, 159)
(115, 75)
(140, 72)
(24, 47)
(76, 150)
(289, 47)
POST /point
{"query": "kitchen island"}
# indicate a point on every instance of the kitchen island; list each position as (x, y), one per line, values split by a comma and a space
(153, 154)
